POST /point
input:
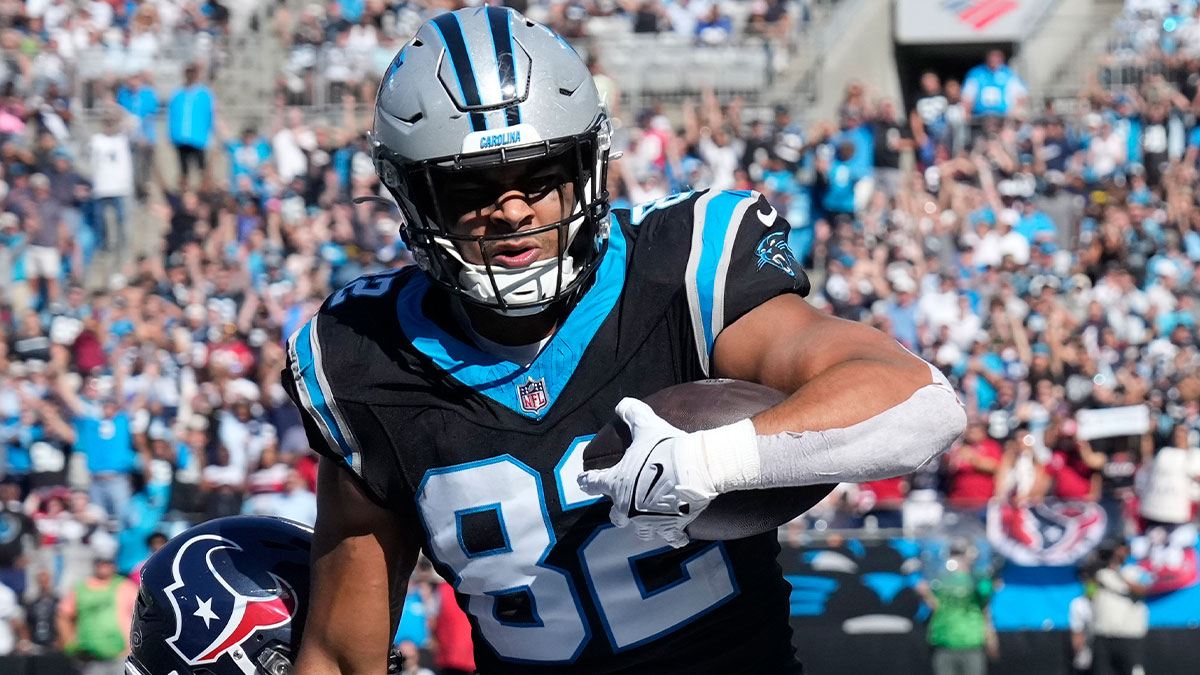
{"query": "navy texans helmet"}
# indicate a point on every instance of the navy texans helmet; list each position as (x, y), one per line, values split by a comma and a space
(226, 597)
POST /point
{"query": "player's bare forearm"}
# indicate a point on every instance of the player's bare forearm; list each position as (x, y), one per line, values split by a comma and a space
(838, 373)
(362, 557)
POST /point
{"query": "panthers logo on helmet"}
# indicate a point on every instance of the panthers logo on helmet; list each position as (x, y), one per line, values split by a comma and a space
(773, 250)
(211, 619)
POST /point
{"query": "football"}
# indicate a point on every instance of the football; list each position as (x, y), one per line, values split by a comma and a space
(707, 404)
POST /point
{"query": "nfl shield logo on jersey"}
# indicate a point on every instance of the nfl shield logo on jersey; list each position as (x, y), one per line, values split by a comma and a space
(533, 395)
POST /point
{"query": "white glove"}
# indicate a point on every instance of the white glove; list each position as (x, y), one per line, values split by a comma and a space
(662, 482)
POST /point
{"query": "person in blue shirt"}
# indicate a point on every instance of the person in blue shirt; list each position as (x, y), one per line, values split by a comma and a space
(902, 313)
(992, 88)
(247, 154)
(100, 431)
(1192, 157)
(840, 176)
(413, 626)
(987, 371)
(137, 96)
(139, 521)
(18, 436)
(1034, 224)
(190, 117)
(853, 128)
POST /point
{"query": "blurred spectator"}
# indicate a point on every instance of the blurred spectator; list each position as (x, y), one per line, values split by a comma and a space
(959, 627)
(289, 143)
(972, 465)
(94, 619)
(247, 155)
(412, 664)
(1172, 484)
(47, 235)
(882, 501)
(1120, 617)
(892, 139)
(649, 18)
(190, 117)
(993, 88)
(18, 538)
(155, 541)
(296, 502)
(927, 120)
(139, 520)
(1081, 620)
(139, 98)
(714, 28)
(223, 485)
(11, 624)
(112, 180)
(452, 630)
(1021, 475)
(1072, 469)
(416, 615)
(41, 612)
(1123, 456)
(101, 434)
(838, 181)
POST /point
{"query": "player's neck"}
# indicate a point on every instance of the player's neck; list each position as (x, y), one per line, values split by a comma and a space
(514, 330)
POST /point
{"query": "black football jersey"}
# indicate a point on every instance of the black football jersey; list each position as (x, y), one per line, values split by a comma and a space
(485, 452)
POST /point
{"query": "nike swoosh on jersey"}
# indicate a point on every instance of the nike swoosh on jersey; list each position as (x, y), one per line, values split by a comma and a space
(767, 219)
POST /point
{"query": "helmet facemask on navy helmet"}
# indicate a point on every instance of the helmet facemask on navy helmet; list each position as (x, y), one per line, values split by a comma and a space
(447, 202)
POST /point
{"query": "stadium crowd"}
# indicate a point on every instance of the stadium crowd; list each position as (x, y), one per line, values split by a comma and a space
(1045, 258)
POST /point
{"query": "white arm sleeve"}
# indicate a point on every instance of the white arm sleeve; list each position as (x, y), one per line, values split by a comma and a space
(895, 442)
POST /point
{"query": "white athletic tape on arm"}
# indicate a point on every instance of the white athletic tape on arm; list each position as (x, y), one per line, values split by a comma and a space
(895, 442)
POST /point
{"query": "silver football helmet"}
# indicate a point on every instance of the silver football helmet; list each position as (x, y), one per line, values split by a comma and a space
(480, 101)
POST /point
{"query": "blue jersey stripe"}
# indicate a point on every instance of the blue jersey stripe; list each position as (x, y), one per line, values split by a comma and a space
(451, 31)
(717, 216)
(318, 403)
(506, 61)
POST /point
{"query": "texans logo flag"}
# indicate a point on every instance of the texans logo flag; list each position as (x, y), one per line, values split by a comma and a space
(1050, 533)
(209, 624)
(1168, 555)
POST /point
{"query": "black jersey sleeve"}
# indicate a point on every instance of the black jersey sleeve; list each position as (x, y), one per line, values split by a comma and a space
(738, 259)
(338, 426)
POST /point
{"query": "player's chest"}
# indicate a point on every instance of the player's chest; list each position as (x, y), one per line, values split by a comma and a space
(548, 413)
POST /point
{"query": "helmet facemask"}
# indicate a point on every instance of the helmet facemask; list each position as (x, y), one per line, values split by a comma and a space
(433, 193)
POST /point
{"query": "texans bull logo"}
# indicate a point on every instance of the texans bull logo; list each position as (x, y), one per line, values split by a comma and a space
(1054, 534)
(212, 619)
(773, 250)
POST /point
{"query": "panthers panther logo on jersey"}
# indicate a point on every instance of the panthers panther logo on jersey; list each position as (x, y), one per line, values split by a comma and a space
(773, 250)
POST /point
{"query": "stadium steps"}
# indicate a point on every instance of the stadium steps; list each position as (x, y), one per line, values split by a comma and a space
(797, 82)
(243, 77)
(1062, 58)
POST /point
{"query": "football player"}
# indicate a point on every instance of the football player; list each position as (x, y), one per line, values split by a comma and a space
(452, 401)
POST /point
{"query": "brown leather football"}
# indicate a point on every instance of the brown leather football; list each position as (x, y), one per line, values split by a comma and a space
(707, 404)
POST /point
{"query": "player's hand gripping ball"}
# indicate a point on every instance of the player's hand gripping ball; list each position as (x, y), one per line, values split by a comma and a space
(648, 460)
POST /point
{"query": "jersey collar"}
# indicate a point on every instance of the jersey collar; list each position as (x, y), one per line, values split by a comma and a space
(529, 391)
